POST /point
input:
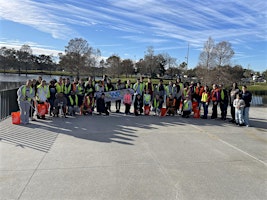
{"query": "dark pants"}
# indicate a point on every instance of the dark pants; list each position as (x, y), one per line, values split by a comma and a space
(223, 107)
(186, 113)
(108, 105)
(232, 112)
(205, 108)
(214, 114)
(127, 108)
(118, 105)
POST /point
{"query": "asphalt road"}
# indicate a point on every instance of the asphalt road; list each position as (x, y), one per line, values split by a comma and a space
(127, 158)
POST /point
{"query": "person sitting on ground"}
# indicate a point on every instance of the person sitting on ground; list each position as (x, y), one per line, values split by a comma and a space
(187, 107)
(157, 105)
(60, 103)
(138, 105)
(101, 105)
(170, 105)
(87, 107)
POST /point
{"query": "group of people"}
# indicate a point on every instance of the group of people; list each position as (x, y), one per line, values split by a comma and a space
(80, 97)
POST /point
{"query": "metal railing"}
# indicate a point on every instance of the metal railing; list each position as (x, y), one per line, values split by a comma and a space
(8, 101)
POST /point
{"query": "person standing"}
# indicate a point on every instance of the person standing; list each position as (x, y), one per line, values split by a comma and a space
(223, 101)
(25, 94)
(51, 99)
(205, 98)
(247, 97)
(232, 95)
(119, 86)
(109, 87)
(215, 98)
(239, 105)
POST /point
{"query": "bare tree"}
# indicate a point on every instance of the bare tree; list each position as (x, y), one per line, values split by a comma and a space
(223, 53)
(207, 56)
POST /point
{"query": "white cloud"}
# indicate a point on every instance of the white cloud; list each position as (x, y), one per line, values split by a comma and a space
(37, 49)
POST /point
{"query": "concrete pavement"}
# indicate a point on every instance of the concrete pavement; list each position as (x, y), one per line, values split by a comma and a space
(127, 158)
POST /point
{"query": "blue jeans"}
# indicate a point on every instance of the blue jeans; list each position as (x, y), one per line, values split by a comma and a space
(246, 115)
(205, 108)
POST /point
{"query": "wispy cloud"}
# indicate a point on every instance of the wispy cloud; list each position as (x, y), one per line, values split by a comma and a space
(37, 49)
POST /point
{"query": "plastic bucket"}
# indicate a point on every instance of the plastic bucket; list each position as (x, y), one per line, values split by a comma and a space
(163, 112)
(147, 110)
(15, 117)
(196, 112)
(41, 109)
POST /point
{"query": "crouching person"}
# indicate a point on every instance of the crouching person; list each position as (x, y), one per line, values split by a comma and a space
(138, 105)
(60, 103)
(101, 105)
(87, 107)
(187, 107)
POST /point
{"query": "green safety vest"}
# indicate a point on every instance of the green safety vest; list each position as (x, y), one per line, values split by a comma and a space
(44, 88)
(80, 89)
(23, 91)
(185, 105)
(147, 98)
(167, 88)
(127, 86)
(67, 89)
(156, 103)
(59, 88)
(141, 87)
(72, 101)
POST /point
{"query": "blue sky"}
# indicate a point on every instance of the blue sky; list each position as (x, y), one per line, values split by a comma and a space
(128, 27)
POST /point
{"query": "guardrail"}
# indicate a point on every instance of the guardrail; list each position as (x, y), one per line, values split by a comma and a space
(8, 101)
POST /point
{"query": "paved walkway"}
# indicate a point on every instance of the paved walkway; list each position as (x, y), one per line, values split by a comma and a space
(127, 158)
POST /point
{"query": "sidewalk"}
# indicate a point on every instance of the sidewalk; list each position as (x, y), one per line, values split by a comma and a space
(127, 158)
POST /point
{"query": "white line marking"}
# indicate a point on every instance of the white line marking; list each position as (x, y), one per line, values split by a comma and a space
(240, 150)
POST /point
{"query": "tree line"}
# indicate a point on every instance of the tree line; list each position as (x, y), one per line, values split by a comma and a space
(81, 59)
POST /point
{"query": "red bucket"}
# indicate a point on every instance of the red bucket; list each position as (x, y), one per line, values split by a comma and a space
(15, 117)
(147, 110)
(196, 113)
(163, 112)
(41, 109)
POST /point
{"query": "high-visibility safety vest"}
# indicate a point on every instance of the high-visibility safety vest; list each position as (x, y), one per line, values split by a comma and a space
(43, 91)
(205, 97)
(72, 101)
(80, 89)
(88, 102)
(199, 91)
(23, 91)
(147, 98)
(156, 103)
(67, 89)
(152, 88)
(141, 85)
(222, 95)
(59, 88)
(215, 95)
(169, 90)
(108, 89)
(185, 105)
(129, 86)
(90, 89)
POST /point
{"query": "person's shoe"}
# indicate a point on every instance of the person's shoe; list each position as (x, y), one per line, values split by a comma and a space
(32, 119)
(117, 111)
